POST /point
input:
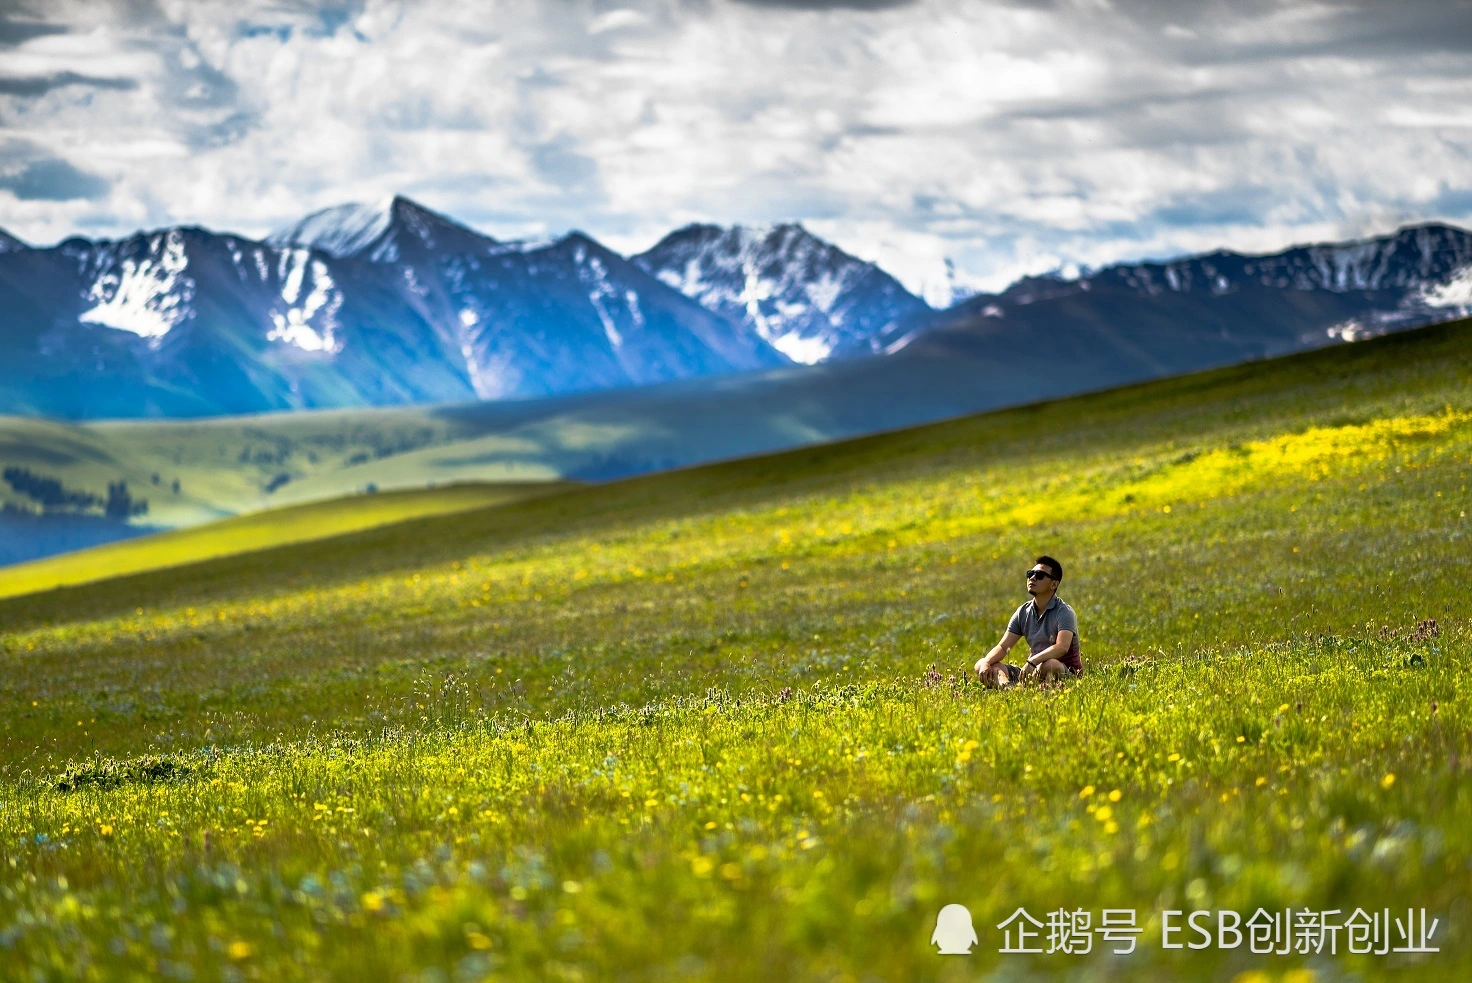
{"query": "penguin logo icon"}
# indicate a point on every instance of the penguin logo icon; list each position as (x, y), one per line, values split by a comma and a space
(954, 932)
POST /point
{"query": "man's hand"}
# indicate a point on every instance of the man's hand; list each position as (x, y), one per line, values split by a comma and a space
(998, 653)
(1057, 650)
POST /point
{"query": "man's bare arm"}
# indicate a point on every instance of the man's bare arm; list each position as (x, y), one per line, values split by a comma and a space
(1057, 650)
(998, 652)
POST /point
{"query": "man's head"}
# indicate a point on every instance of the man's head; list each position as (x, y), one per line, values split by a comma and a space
(1044, 576)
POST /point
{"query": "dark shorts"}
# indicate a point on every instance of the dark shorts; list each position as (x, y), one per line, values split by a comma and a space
(1070, 660)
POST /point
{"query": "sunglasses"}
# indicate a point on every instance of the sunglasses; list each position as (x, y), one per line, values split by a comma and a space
(1039, 573)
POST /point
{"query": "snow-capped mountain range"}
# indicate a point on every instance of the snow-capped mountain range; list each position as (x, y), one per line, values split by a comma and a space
(1235, 304)
(353, 306)
(533, 319)
(1428, 266)
(393, 303)
(186, 322)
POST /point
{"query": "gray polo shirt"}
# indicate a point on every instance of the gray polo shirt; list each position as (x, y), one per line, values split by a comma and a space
(1041, 630)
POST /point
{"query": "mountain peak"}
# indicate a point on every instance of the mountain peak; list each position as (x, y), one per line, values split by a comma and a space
(577, 237)
(1435, 228)
(379, 232)
(805, 296)
(583, 245)
(402, 209)
(779, 236)
(9, 243)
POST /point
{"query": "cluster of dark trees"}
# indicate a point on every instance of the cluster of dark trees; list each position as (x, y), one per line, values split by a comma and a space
(53, 496)
(120, 504)
(48, 491)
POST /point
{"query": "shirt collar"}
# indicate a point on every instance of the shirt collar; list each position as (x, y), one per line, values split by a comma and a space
(1051, 605)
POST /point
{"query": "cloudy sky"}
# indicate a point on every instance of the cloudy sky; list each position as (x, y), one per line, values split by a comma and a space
(1011, 136)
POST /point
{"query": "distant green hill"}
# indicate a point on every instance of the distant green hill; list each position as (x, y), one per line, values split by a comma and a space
(193, 471)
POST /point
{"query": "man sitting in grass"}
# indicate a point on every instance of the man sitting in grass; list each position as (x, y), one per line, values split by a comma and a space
(1051, 630)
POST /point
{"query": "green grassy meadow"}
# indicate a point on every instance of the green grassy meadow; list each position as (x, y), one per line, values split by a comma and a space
(717, 724)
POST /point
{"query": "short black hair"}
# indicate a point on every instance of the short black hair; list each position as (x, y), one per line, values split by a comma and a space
(1054, 564)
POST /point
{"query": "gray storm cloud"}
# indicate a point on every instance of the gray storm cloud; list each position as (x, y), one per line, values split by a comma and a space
(37, 85)
(1011, 137)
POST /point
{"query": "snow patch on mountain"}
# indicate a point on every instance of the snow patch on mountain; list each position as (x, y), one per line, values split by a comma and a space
(310, 325)
(805, 351)
(943, 285)
(1455, 292)
(593, 275)
(148, 297)
(632, 299)
(467, 320)
(10, 244)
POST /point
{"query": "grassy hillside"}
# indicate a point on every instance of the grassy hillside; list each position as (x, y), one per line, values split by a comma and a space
(260, 531)
(716, 724)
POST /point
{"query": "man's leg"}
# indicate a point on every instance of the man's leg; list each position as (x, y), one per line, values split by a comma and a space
(1051, 670)
(998, 676)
